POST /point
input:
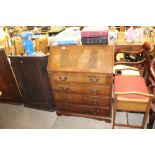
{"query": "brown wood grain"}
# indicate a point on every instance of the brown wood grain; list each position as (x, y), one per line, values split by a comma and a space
(81, 58)
(81, 78)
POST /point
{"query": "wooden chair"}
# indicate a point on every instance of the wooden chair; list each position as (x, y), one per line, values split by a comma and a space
(41, 44)
(18, 47)
(151, 84)
(131, 93)
(140, 63)
(5, 43)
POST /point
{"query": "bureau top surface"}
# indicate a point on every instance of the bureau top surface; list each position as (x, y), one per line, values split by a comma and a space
(81, 58)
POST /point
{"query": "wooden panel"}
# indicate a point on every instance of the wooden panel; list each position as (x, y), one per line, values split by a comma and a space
(41, 44)
(81, 58)
(5, 43)
(8, 86)
(82, 99)
(18, 47)
(81, 89)
(83, 109)
(33, 81)
(132, 106)
(80, 78)
(128, 47)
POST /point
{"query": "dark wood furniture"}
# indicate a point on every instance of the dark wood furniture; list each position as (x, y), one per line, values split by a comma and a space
(151, 84)
(32, 77)
(81, 78)
(8, 86)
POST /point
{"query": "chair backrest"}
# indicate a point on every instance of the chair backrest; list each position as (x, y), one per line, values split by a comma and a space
(5, 43)
(152, 69)
(151, 77)
(41, 44)
(142, 62)
(18, 47)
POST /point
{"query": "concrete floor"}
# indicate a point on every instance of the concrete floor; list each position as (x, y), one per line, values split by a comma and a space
(20, 117)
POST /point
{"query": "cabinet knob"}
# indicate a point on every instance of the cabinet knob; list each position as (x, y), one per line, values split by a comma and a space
(0, 93)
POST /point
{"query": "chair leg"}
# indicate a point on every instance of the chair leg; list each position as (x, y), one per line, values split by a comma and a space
(114, 115)
(127, 119)
(150, 123)
(145, 117)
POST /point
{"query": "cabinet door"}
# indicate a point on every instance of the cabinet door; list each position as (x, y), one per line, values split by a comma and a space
(8, 86)
(33, 81)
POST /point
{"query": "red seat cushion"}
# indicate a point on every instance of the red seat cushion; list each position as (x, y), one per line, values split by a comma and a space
(130, 83)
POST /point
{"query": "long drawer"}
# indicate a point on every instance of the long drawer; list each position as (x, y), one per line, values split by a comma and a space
(82, 109)
(82, 89)
(105, 79)
(82, 99)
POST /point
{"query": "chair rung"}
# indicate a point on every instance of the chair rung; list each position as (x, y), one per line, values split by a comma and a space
(130, 126)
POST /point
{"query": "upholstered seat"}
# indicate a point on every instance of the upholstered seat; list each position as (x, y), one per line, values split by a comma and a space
(130, 84)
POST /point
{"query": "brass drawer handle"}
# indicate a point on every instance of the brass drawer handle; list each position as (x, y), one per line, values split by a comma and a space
(97, 111)
(0, 93)
(94, 103)
(93, 111)
(66, 99)
(94, 91)
(94, 80)
(93, 100)
(63, 78)
(64, 89)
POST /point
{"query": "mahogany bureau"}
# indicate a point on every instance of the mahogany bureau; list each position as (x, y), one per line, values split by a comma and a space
(81, 79)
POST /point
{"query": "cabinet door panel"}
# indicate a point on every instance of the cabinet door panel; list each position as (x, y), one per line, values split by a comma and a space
(33, 81)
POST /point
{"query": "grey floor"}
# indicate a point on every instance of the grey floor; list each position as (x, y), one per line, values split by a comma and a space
(20, 117)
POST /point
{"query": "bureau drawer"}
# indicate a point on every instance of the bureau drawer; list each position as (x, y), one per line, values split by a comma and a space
(83, 89)
(81, 78)
(84, 109)
(82, 99)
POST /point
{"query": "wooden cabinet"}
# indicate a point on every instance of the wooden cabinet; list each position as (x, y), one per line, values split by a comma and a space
(32, 77)
(8, 86)
(81, 79)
